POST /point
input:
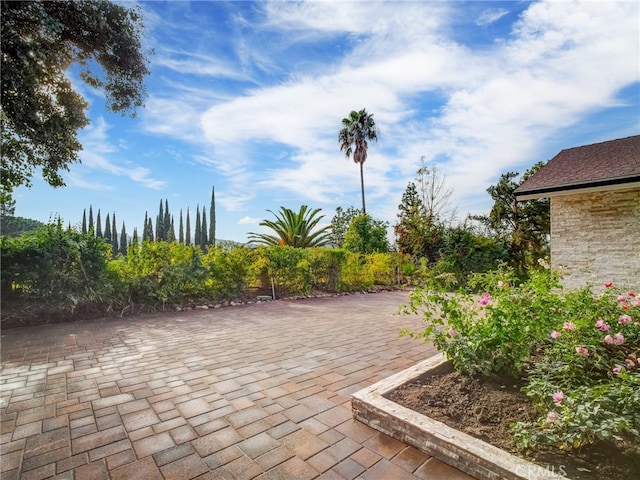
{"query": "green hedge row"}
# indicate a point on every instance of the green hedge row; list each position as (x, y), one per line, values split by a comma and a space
(64, 270)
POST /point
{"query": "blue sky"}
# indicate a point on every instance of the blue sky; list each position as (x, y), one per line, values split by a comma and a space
(249, 97)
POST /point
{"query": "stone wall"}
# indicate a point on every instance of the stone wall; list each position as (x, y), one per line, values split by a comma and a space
(596, 235)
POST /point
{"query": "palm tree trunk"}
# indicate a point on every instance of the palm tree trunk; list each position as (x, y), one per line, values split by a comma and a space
(364, 210)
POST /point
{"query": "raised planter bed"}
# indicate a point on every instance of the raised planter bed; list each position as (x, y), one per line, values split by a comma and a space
(458, 449)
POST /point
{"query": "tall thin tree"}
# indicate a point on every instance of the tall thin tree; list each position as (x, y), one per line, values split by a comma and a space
(212, 217)
(114, 235)
(203, 230)
(187, 234)
(123, 241)
(84, 221)
(197, 236)
(91, 226)
(150, 230)
(171, 231)
(357, 128)
(160, 224)
(144, 227)
(167, 222)
(98, 225)
(181, 229)
(107, 229)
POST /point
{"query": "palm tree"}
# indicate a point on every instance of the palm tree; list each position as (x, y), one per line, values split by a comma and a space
(357, 129)
(293, 229)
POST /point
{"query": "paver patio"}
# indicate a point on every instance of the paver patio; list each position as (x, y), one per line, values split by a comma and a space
(254, 391)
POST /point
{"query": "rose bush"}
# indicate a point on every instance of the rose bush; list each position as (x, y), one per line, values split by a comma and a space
(579, 353)
(595, 365)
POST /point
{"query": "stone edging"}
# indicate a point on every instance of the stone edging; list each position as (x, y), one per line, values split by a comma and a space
(462, 451)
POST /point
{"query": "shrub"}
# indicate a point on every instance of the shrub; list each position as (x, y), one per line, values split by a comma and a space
(494, 333)
(323, 267)
(355, 275)
(231, 271)
(284, 269)
(56, 267)
(158, 273)
(579, 353)
(586, 382)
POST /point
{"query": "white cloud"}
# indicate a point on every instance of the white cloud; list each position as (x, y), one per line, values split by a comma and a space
(490, 15)
(96, 154)
(249, 221)
(490, 109)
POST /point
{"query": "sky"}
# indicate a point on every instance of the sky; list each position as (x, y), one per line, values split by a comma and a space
(248, 98)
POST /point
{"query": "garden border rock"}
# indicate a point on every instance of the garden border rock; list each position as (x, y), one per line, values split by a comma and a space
(456, 448)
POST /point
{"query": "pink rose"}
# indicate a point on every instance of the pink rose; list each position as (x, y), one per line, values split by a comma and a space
(599, 323)
(624, 319)
(629, 363)
(558, 397)
(582, 351)
(485, 298)
(569, 326)
(617, 369)
(452, 332)
(608, 340)
(622, 298)
(552, 417)
(618, 339)
(555, 334)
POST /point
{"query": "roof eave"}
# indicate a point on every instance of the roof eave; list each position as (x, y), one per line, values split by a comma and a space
(599, 186)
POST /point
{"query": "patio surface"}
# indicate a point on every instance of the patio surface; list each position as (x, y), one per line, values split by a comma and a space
(253, 391)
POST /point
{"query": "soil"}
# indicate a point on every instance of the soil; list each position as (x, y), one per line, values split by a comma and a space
(484, 408)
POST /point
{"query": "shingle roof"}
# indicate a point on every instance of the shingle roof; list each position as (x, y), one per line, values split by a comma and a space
(598, 165)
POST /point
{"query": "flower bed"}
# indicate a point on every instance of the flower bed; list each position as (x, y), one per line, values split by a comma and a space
(456, 448)
(577, 352)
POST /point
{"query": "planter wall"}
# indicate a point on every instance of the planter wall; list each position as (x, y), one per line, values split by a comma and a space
(462, 451)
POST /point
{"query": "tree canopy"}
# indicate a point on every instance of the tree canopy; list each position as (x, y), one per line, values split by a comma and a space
(40, 112)
(295, 229)
(366, 235)
(357, 128)
(526, 225)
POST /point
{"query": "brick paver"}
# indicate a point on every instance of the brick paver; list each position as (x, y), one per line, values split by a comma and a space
(253, 391)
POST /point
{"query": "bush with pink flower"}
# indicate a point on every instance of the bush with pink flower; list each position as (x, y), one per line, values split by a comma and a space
(596, 367)
(578, 352)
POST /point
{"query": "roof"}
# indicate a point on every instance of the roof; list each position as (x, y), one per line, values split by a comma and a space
(600, 165)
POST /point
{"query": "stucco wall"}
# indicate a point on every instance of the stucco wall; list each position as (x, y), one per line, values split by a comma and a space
(596, 236)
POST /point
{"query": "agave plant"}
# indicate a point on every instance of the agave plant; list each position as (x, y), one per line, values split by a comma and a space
(294, 229)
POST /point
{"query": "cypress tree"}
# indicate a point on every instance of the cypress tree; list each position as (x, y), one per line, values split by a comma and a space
(123, 241)
(107, 229)
(91, 228)
(114, 235)
(144, 228)
(181, 229)
(134, 239)
(187, 235)
(98, 225)
(150, 230)
(198, 236)
(172, 231)
(84, 221)
(203, 232)
(160, 234)
(212, 217)
(167, 222)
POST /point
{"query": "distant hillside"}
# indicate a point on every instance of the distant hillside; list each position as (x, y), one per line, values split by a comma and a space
(14, 226)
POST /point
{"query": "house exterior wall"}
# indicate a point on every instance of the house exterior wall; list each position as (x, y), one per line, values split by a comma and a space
(596, 236)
